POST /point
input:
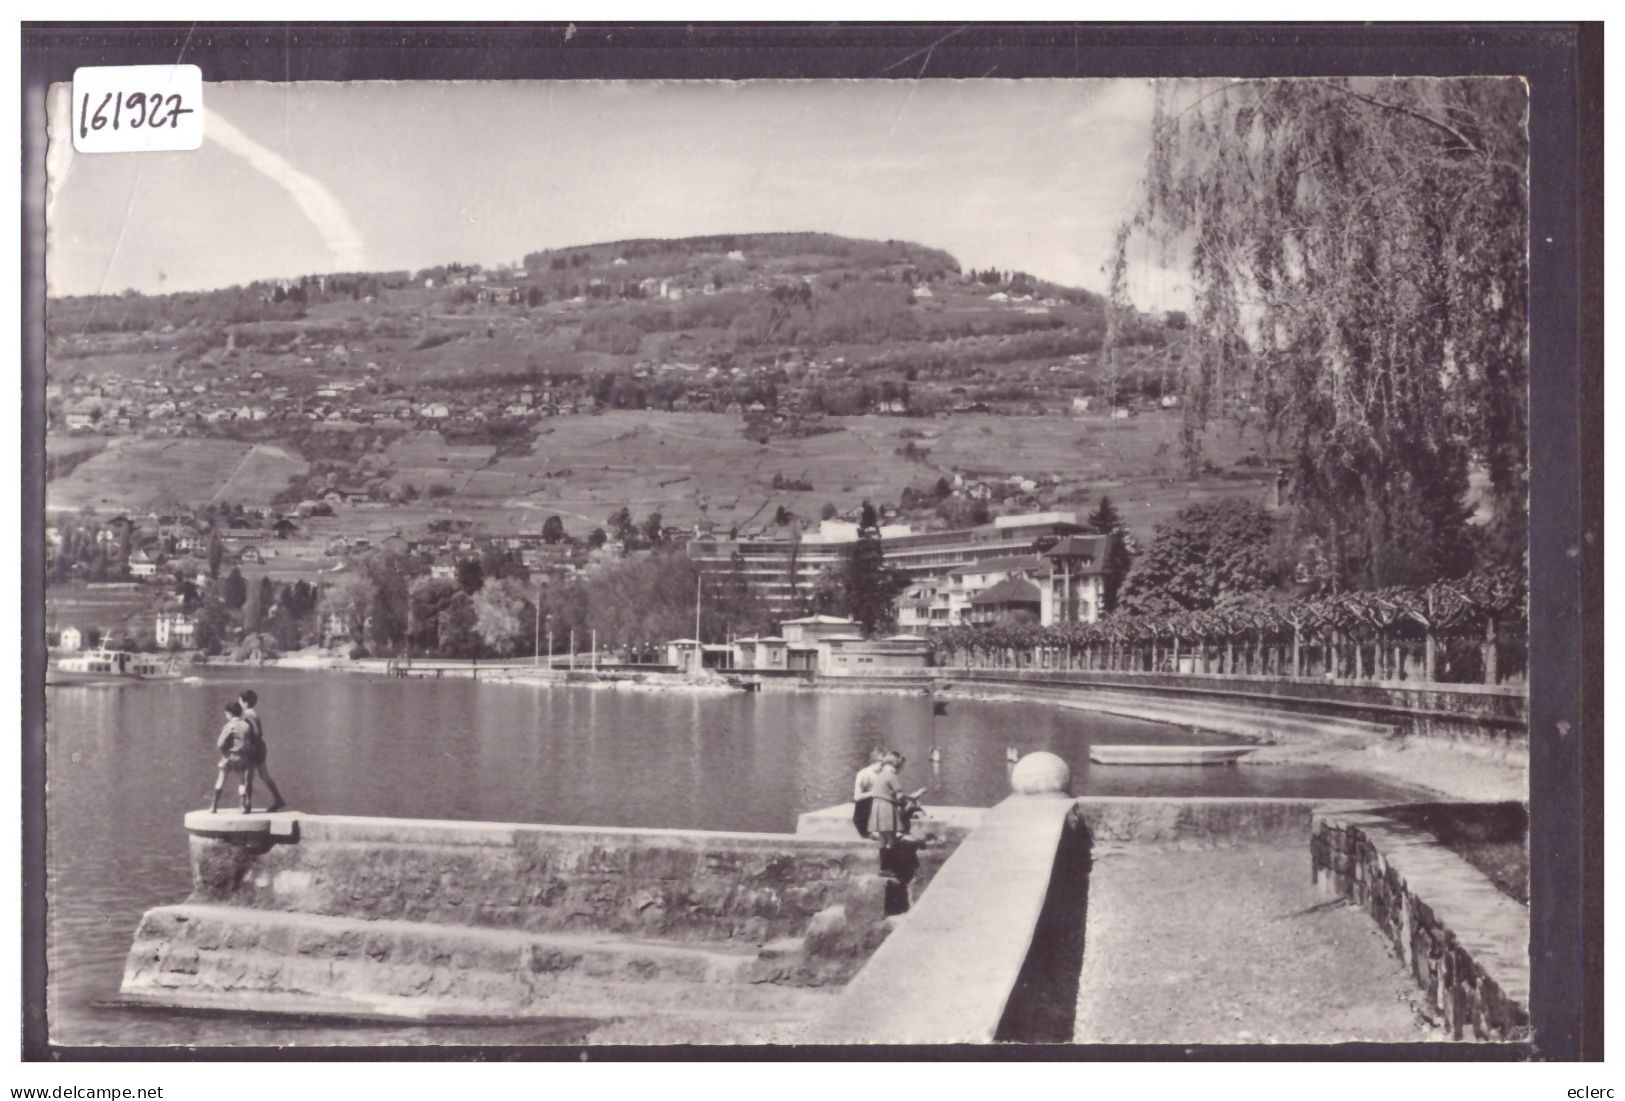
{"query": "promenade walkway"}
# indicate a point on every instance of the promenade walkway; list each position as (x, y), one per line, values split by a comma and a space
(1227, 946)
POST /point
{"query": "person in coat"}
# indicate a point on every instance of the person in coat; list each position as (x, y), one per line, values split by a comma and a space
(885, 809)
(862, 783)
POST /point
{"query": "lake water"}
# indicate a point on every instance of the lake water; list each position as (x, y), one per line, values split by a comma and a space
(125, 763)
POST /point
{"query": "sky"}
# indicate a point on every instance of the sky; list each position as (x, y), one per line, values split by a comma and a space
(308, 177)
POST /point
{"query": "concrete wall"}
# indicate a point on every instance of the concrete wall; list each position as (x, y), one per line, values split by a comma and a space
(1495, 715)
(1179, 822)
(942, 826)
(670, 884)
(994, 950)
(1465, 942)
(948, 974)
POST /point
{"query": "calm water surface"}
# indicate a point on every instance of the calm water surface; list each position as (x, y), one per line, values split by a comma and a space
(125, 763)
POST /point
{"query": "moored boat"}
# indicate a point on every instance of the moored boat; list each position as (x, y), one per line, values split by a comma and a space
(104, 666)
(1168, 754)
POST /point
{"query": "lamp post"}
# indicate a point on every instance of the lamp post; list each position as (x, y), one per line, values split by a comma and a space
(699, 647)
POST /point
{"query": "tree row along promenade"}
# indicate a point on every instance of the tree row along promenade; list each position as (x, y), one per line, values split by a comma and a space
(1468, 630)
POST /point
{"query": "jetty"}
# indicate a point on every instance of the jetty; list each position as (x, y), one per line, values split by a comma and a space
(1017, 926)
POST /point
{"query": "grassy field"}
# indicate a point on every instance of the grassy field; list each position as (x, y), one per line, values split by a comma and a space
(695, 466)
(138, 474)
(78, 605)
(425, 459)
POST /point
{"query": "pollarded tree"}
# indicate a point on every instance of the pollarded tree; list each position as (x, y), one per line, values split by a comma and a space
(1357, 252)
(1207, 553)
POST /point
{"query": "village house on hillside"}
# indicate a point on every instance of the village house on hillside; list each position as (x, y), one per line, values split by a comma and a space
(1006, 598)
(175, 629)
(143, 565)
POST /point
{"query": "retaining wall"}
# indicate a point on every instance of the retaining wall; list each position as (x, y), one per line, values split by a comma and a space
(418, 917)
(1465, 942)
(1496, 716)
(1180, 822)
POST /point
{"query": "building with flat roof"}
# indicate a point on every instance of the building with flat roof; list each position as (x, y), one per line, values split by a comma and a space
(783, 571)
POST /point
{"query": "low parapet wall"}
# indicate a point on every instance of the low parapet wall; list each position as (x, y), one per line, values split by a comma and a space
(1465, 943)
(671, 884)
(1180, 822)
(948, 974)
(1488, 715)
(993, 951)
(414, 917)
(939, 826)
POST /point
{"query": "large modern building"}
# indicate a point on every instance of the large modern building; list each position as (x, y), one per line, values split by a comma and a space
(784, 571)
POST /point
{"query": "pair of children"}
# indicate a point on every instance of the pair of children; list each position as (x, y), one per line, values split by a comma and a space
(242, 750)
(882, 810)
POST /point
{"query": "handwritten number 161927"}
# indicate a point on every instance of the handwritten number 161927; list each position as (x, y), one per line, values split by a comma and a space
(135, 110)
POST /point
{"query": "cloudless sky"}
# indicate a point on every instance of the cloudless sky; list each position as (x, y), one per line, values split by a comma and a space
(311, 177)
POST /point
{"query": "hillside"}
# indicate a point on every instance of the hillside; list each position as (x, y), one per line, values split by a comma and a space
(894, 310)
(672, 376)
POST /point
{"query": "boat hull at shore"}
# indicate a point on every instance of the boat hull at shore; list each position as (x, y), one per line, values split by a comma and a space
(1167, 754)
(109, 667)
(55, 678)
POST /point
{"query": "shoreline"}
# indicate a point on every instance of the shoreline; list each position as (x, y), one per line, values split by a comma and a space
(1451, 770)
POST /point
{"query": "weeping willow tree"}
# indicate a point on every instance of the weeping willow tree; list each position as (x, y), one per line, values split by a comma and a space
(1357, 252)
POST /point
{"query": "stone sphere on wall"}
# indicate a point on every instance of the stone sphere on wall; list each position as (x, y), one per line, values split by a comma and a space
(1041, 773)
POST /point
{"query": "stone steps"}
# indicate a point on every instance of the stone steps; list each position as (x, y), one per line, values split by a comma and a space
(277, 961)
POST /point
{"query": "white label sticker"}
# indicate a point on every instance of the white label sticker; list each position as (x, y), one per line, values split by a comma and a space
(137, 108)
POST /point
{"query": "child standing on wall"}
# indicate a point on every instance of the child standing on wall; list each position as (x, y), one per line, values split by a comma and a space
(235, 756)
(250, 699)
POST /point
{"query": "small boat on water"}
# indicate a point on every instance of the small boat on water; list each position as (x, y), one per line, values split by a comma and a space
(104, 666)
(1168, 754)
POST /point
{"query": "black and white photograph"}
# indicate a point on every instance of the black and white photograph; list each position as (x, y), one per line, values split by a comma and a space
(824, 562)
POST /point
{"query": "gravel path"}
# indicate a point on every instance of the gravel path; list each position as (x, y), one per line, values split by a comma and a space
(1234, 946)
